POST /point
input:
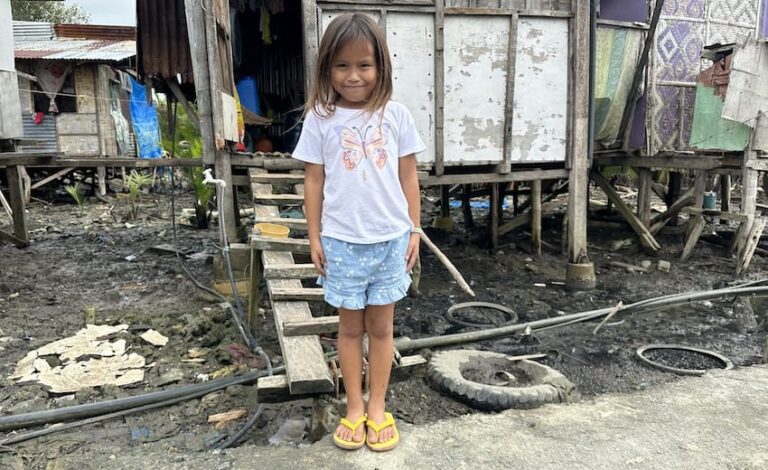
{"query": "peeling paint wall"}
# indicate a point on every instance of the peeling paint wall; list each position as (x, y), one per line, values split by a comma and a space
(475, 88)
(540, 111)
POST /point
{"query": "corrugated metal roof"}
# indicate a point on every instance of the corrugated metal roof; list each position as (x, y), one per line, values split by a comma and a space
(76, 49)
(95, 31)
(33, 40)
(31, 31)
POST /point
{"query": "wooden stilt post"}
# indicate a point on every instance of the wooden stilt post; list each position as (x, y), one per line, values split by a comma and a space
(536, 216)
(580, 273)
(748, 193)
(725, 195)
(644, 196)
(493, 215)
(466, 209)
(16, 196)
(673, 192)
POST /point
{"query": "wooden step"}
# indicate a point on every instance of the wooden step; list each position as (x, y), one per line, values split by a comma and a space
(315, 326)
(279, 199)
(277, 178)
(290, 271)
(296, 293)
(288, 222)
(295, 245)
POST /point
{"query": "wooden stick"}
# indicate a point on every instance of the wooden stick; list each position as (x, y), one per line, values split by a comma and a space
(607, 317)
(448, 265)
(6, 205)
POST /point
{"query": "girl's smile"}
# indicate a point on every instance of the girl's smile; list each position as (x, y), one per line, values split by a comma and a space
(354, 73)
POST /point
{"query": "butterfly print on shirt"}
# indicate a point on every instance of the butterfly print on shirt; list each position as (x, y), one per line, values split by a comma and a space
(358, 144)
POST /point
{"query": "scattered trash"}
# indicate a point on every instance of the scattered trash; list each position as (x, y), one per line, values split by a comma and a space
(13, 296)
(106, 362)
(539, 284)
(199, 256)
(154, 338)
(138, 434)
(242, 355)
(169, 377)
(225, 371)
(646, 264)
(195, 353)
(221, 420)
(292, 431)
(617, 245)
(130, 258)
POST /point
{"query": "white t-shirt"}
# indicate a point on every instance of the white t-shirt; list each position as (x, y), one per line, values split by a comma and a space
(363, 201)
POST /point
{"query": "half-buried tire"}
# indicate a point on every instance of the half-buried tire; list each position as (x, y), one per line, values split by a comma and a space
(491, 381)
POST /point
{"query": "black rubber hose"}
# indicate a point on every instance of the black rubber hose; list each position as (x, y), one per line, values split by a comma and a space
(37, 418)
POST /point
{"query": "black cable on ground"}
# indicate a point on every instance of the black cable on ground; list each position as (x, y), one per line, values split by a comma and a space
(37, 418)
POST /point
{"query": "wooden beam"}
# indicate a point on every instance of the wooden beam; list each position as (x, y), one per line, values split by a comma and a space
(290, 271)
(509, 101)
(277, 178)
(644, 192)
(715, 213)
(303, 356)
(695, 226)
(174, 87)
(52, 177)
(646, 238)
(745, 256)
(296, 245)
(16, 200)
(692, 162)
(658, 222)
(519, 175)
(288, 222)
(279, 199)
(493, 216)
(439, 87)
(297, 293)
(315, 326)
(536, 216)
(578, 181)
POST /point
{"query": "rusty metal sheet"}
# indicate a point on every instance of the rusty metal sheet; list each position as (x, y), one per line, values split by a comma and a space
(163, 42)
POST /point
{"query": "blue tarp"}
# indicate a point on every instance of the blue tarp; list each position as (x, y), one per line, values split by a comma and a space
(144, 121)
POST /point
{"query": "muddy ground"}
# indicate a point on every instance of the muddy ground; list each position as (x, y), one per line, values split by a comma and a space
(102, 258)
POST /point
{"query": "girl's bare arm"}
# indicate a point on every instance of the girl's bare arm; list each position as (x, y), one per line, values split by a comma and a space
(314, 179)
(410, 184)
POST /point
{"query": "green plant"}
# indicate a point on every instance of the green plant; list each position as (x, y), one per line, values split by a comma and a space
(77, 194)
(136, 182)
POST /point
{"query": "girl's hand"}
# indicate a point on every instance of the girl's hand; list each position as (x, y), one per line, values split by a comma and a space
(318, 256)
(412, 252)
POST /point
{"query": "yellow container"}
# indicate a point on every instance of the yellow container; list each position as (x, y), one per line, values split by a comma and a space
(273, 230)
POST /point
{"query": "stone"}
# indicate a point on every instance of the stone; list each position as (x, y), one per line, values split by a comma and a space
(664, 266)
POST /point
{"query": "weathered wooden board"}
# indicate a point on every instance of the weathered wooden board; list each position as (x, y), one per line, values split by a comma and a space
(410, 37)
(475, 88)
(79, 145)
(86, 89)
(304, 360)
(10, 111)
(77, 124)
(540, 122)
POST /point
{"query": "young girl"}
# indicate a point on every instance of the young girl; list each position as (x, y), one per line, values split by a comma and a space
(363, 211)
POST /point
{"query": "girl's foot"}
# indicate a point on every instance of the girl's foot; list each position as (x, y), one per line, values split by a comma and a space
(382, 434)
(351, 432)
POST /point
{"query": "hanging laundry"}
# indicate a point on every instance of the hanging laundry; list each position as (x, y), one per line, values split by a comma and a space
(122, 133)
(50, 78)
(264, 18)
(145, 124)
(38, 118)
(275, 6)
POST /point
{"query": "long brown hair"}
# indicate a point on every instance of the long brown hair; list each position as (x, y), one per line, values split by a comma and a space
(343, 29)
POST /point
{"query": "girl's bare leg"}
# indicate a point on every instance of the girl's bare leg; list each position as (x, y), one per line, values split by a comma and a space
(378, 325)
(351, 329)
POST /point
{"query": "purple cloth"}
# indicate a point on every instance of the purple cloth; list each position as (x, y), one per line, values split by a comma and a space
(624, 10)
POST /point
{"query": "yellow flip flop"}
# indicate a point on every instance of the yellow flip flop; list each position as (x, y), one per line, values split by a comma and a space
(389, 444)
(351, 445)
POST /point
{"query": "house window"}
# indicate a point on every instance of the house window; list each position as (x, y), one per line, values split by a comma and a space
(66, 101)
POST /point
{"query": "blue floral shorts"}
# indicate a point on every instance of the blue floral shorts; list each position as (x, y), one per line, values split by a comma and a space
(357, 275)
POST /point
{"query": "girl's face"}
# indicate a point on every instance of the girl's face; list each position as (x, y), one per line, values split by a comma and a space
(354, 73)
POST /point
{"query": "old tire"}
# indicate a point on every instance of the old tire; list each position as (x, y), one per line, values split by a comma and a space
(446, 373)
